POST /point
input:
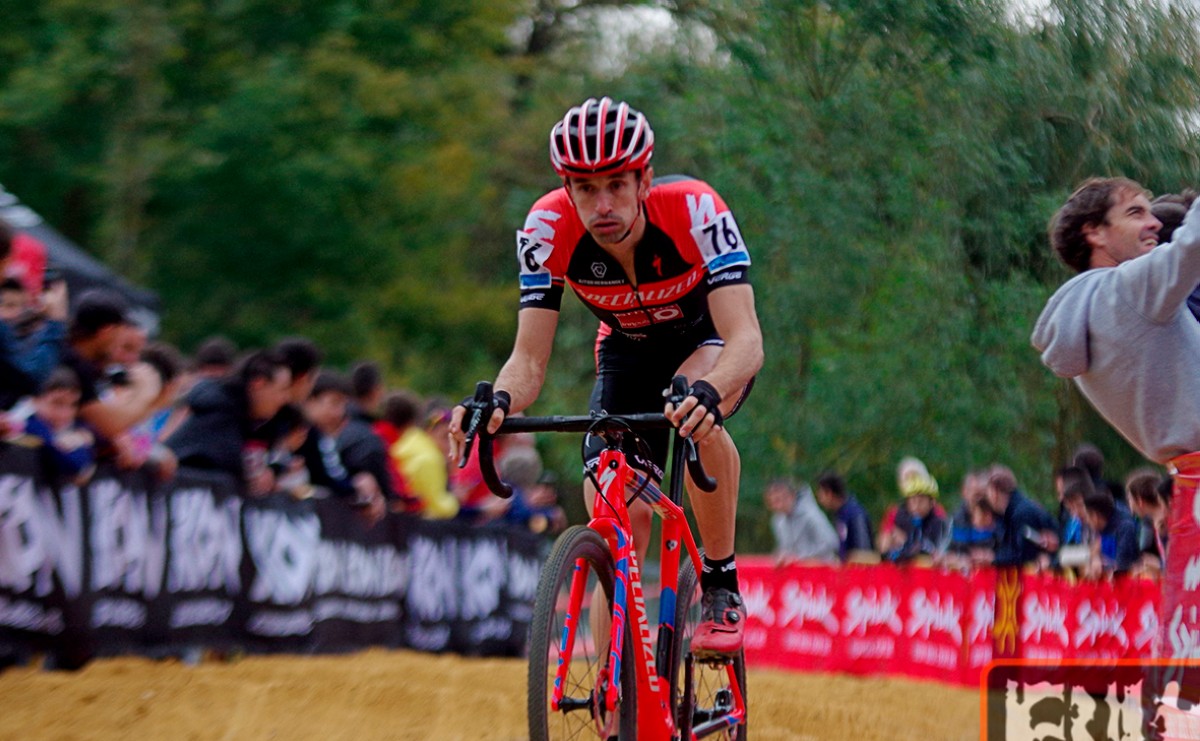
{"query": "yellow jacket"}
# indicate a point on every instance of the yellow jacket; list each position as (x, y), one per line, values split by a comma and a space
(425, 469)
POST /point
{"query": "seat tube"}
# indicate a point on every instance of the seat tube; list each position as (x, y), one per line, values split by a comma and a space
(668, 594)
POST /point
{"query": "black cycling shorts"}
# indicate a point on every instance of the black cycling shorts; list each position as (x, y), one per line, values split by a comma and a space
(631, 376)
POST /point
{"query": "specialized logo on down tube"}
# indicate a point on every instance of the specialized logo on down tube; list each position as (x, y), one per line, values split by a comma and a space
(1090, 700)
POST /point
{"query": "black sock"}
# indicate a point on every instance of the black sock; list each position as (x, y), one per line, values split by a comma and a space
(718, 574)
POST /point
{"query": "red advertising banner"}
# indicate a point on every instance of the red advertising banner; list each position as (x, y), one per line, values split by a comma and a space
(1181, 600)
(872, 620)
(978, 646)
(1044, 609)
(934, 624)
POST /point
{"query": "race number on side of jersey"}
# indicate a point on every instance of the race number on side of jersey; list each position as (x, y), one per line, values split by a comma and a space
(720, 243)
(533, 253)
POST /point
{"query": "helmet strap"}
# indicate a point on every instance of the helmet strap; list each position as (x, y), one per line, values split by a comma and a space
(632, 224)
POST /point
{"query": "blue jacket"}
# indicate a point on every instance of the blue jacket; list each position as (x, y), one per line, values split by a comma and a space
(853, 528)
(1013, 548)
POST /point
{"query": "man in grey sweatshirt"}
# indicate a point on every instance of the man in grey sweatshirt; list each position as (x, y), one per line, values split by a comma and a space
(1121, 328)
(1122, 331)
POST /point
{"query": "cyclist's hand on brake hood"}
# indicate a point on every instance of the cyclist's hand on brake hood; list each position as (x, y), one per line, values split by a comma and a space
(699, 413)
(461, 417)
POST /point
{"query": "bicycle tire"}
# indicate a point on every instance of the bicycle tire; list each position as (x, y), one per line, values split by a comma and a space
(708, 680)
(545, 631)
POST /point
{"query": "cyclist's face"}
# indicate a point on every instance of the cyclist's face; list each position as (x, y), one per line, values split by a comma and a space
(608, 205)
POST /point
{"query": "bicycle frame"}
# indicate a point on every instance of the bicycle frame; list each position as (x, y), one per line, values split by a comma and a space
(653, 663)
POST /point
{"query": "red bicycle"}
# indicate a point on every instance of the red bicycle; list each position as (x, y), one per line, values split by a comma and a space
(627, 685)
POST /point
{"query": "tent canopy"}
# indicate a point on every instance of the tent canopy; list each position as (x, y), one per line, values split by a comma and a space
(81, 270)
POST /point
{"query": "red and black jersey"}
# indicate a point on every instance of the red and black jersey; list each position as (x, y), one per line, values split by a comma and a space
(691, 246)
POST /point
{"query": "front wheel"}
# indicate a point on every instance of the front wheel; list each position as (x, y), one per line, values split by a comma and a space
(582, 713)
(711, 690)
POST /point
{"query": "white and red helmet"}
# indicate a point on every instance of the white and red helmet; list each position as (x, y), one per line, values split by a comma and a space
(600, 137)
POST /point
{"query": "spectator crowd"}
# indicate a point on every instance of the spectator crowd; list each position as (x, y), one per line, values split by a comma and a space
(81, 380)
(1101, 527)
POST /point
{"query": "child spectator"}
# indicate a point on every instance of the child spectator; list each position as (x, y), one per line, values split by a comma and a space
(1070, 519)
(919, 530)
(55, 422)
(1072, 484)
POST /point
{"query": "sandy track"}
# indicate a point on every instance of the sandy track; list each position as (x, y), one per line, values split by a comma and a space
(402, 695)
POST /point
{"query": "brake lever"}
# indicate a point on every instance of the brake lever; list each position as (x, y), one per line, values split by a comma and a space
(476, 426)
(476, 408)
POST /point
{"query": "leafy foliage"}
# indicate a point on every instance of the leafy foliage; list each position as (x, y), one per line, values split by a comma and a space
(354, 170)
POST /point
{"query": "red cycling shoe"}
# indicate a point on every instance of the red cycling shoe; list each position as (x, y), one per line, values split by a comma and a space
(722, 621)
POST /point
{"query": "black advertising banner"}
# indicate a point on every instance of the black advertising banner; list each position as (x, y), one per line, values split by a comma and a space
(127, 556)
(204, 560)
(471, 589)
(129, 564)
(43, 570)
(360, 580)
(282, 538)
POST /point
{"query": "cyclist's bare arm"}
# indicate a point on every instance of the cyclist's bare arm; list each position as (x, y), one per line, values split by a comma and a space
(522, 374)
(733, 315)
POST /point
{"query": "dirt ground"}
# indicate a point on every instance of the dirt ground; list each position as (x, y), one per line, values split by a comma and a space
(402, 695)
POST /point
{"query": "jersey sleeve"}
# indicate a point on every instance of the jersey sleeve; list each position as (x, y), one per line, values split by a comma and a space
(715, 234)
(542, 245)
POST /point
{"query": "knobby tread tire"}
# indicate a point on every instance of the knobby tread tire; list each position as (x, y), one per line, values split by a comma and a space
(545, 631)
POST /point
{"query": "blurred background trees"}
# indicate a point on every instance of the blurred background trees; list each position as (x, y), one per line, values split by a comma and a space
(354, 171)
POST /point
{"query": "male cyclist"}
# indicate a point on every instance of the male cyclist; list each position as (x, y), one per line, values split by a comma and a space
(664, 268)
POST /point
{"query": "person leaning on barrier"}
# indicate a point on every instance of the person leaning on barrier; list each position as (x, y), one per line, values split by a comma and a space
(69, 446)
(1150, 507)
(418, 457)
(97, 326)
(972, 526)
(850, 520)
(1025, 531)
(802, 533)
(920, 530)
(350, 481)
(303, 358)
(368, 391)
(1114, 542)
(228, 428)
